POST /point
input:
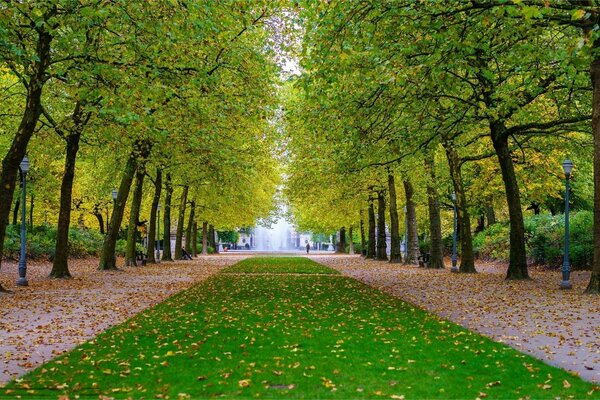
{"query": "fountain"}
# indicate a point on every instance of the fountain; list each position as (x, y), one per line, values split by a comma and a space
(277, 237)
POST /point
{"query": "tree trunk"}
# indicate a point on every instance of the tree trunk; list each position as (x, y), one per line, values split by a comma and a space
(211, 238)
(341, 245)
(195, 239)
(467, 258)
(480, 224)
(188, 232)
(31, 205)
(60, 267)
(15, 217)
(436, 245)
(108, 260)
(98, 214)
(204, 238)
(412, 241)
(351, 251)
(180, 223)
(134, 217)
(151, 251)
(31, 114)
(594, 284)
(381, 244)
(362, 234)
(395, 253)
(490, 215)
(372, 241)
(517, 267)
(166, 255)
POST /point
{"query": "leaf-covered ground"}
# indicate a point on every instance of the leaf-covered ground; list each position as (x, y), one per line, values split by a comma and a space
(295, 335)
(561, 327)
(51, 316)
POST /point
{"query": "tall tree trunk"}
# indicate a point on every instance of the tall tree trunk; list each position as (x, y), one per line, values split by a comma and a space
(166, 255)
(436, 245)
(98, 214)
(341, 245)
(594, 284)
(204, 238)
(195, 239)
(395, 253)
(517, 267)
(381, 242)
(371, 248)
(188, 232)
(412, 255)
(150, 255)
(362, 235)
(134, 217)
(350, 234)
(108, 260)
(29, 119)
(15, 217)
(60, 267)
(467, 258)
(490, 215)
(180, 223)
(211, 238)
(31, 205)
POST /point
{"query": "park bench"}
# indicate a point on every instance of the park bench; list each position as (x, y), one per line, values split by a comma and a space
(423, 260)
(141, 257)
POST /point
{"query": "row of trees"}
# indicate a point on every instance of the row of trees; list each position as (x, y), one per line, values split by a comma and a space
(173, 101)
(483, 99)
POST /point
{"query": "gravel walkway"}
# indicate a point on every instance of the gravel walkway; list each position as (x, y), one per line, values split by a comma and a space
(52, 316)
(561, 327)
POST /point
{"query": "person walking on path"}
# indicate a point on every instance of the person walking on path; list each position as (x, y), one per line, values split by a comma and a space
(307, 247)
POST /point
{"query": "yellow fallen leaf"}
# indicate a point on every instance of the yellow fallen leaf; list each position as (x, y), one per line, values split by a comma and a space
(566, 384)
(244, 383)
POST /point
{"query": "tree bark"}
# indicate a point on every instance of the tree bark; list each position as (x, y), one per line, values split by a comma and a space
(108, 260)
(211, 238)
(371, 249)
(412, 241)
(341, 244)
(517, 267)
(467, 258)
(395, 253)
(351, 250)
(29, 119)
(31, 205)
(60, 267)
(490, 215)
(166, 255)
(188, 232)
(180, 223)
(134, 217)
(362, 235)
(195, 239)
(594, 284)
(15, 217)
(436, 245)
(98, 214)
(381, 244)
(204, 238)
(151, 251)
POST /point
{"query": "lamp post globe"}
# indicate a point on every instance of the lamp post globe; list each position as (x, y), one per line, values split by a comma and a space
(455, 221)
(566, 267)
(22, 280)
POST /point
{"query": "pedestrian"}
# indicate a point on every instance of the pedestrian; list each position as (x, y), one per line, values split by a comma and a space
(307, 247)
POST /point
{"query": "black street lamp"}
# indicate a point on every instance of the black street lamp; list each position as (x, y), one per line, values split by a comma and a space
(566, 268)
(454, 267)
(22, 281)
(158, 234)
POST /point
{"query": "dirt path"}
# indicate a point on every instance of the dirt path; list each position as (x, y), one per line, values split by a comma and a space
(51, 316)
(560, 327)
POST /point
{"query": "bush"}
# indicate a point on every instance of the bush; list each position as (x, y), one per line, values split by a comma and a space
(41, 242)
(544, 236)
(209, 249)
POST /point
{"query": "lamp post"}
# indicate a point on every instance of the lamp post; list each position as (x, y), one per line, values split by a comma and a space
(22, 281)
(454, 267)
(405, 234)
(566, 268)
(158, 234)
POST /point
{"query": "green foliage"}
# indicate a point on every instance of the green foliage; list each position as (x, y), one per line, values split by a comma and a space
(228, 236)
(544, 239)
(293, 336)
(41, 242)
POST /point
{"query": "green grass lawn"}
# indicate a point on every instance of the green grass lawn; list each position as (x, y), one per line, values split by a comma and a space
(281, 336)
(279, 265)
